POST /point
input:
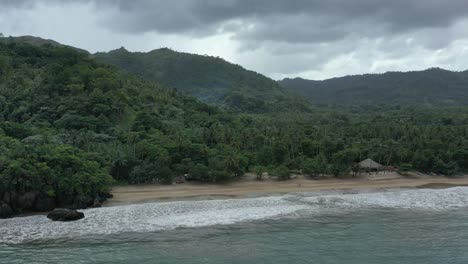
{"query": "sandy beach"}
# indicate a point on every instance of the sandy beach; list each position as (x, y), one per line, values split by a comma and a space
(249, 187)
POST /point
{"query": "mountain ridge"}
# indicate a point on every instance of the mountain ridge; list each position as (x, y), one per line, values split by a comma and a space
(38, 41)
(433, 86)
(218, 82)
(211, 79)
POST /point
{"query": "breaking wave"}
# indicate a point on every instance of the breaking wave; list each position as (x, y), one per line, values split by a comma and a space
(429, 199)
(170, 215)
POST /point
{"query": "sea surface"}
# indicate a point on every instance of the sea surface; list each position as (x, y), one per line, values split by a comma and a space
(393, 226)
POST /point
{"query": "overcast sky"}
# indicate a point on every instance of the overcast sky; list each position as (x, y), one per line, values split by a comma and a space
(314, 39)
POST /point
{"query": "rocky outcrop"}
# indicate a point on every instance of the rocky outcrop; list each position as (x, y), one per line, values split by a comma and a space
(25, 202)
(5, 210)
(14, 203)
(61, 214)
(20, 203)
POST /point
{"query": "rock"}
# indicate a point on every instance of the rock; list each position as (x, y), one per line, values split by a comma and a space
(24, 202)
(61, 214)
(28, 199)
(5, 210)
(44, 203)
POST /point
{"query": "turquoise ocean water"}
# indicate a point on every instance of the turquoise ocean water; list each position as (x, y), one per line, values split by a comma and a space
(394, 226)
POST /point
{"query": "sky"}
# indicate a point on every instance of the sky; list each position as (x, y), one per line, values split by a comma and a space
(313, 39)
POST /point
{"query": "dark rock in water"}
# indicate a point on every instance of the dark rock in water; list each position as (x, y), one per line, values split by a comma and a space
(44, 203)
(60, 214)
(5, 210)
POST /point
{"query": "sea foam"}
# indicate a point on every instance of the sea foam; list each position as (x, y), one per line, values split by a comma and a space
(442, 199)
(146, 218)
(170, 215)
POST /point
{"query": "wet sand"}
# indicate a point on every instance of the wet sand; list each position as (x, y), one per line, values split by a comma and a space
(250, 188)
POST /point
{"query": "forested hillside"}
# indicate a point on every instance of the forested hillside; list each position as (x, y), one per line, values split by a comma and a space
(436, 87)
(36, 41)
(71, 126)
(210, 79)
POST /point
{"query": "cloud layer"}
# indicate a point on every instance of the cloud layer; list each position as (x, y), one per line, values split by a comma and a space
(312, 38)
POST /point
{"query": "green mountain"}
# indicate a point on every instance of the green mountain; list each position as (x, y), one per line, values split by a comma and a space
(37, 41)
(429, 87)
(210, 79)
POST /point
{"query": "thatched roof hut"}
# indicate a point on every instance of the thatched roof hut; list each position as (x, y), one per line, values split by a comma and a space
(370, 164)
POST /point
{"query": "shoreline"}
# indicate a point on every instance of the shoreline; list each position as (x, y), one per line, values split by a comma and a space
(249, 188)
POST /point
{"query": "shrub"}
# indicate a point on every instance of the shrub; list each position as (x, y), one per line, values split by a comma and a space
(282, 172)
(258, 171)
(219, 176)
(199, 172)
(405, 167)
(148, 172)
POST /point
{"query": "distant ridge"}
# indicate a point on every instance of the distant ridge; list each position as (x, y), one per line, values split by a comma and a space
(38, 42)
(434, 86)
(218, 82)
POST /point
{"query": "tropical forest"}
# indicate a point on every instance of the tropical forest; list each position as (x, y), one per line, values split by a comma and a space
(74, 124)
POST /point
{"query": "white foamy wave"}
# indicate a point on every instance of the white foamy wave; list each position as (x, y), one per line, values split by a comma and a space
(146, 218)
(165, 216)
(403, 199)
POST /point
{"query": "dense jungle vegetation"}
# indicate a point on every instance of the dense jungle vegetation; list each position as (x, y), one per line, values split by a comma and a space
(70, 127)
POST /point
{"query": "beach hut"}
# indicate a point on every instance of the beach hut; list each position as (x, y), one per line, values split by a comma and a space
(369, 164)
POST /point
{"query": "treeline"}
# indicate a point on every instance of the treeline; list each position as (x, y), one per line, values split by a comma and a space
(70, 127)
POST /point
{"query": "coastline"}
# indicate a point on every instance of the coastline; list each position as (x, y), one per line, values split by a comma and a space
(248, 188)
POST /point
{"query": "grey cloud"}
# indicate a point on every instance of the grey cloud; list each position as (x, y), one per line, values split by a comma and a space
(323, 37)
(22, 4)
(295, 21)
(8, 4)
(195, 15)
